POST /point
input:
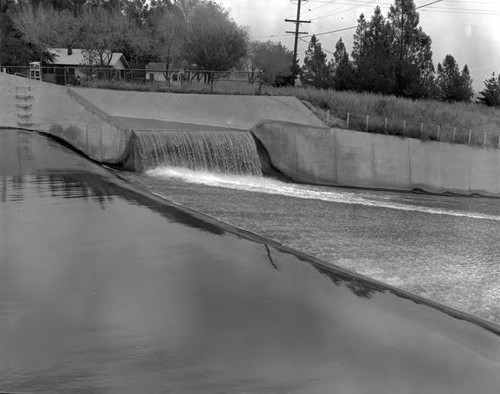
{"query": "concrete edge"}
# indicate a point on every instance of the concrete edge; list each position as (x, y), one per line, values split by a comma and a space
(96, 110)
(93, 109)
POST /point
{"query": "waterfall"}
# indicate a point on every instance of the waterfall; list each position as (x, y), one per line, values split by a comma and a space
(229, 152)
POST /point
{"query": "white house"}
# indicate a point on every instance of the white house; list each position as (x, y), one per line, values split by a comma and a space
(69, 64)
(156, 72)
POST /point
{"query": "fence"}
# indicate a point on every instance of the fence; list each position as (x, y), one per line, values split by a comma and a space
(149, 78)
(422, 131)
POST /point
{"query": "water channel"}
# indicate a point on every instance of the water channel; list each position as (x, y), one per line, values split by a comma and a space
(446, 248)
(105, 288)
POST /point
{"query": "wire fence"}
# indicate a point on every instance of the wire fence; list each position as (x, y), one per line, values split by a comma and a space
(152, 77)
(411, 129)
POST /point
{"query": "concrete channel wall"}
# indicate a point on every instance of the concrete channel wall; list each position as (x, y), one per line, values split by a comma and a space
(61, 112)
(349, 158)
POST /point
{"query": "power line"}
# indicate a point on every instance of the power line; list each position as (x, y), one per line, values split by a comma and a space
(332, 31)
(428, 4)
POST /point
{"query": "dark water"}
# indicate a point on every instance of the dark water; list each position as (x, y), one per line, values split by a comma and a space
(446, 248)
(106, 289)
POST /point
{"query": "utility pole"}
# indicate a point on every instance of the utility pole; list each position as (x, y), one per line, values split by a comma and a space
(297, 32)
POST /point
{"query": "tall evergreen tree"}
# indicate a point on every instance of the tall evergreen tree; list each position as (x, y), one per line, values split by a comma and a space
(412, 50)
(341, 68)
(453, 85)
(491, 93)
(315, 71)
(374, 61)
(467, 92)
(359, 40)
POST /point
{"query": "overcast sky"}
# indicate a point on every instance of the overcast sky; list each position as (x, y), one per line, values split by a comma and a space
(468, 29)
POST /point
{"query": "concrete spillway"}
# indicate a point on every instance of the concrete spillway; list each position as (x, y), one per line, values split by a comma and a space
(230, 152)
(106, 288)
(100, 123)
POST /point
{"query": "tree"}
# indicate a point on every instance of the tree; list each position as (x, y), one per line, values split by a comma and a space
(44, 26)
(315, 71)
(412, 50)
(491, 93)
(214, 41)
(341, 68)
(274, 60)
(14, 51)
(359, 39)
(101, 32)
(166, 28)
(374, 60)
(453, 85)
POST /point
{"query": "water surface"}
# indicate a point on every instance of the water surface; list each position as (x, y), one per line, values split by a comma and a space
(107, 289)
(446, 248)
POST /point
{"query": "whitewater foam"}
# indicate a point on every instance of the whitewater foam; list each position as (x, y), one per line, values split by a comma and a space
(273, 186)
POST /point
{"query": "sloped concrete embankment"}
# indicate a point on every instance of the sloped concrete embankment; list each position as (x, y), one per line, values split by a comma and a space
(346, 158)
(63, 113)
(229, 111)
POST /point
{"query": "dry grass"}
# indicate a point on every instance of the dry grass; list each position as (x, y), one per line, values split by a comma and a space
(448, 115)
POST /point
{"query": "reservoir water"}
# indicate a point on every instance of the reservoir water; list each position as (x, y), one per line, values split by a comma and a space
(446, 248)
(106, 288)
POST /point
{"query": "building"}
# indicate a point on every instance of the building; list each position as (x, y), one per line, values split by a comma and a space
(69, 65)
(156, 72)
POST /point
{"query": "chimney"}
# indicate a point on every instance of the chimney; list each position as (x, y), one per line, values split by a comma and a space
(70, 50)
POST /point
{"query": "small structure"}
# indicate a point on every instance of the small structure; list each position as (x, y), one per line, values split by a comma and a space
(157, 72)
(71, 64)
(35, 71)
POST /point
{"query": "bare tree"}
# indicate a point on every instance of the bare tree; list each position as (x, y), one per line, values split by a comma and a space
(167, 30)
(103, 31)
(44, 26)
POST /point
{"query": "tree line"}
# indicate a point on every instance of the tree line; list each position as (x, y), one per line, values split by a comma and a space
(391, 55)
(179, 34)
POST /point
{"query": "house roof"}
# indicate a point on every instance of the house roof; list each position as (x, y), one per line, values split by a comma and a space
(175, 65)
(77, 58)
(156, 66)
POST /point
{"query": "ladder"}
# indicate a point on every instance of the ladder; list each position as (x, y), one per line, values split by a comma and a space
(24, 105)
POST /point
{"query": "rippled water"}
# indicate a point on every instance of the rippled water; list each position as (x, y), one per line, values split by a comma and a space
(446, 248)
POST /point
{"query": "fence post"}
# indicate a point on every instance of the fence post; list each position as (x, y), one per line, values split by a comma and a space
(421, 129)
(348, 116)
(328, 116)
(470, 136)
(100, 129)
(385, 126)
(454, 132)
(499, 141)
(438, 130)
(404, 127)
(367, 119)
(484, 140)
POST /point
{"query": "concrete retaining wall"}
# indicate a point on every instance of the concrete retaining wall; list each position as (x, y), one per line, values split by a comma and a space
(349, 158)
(63, 113)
